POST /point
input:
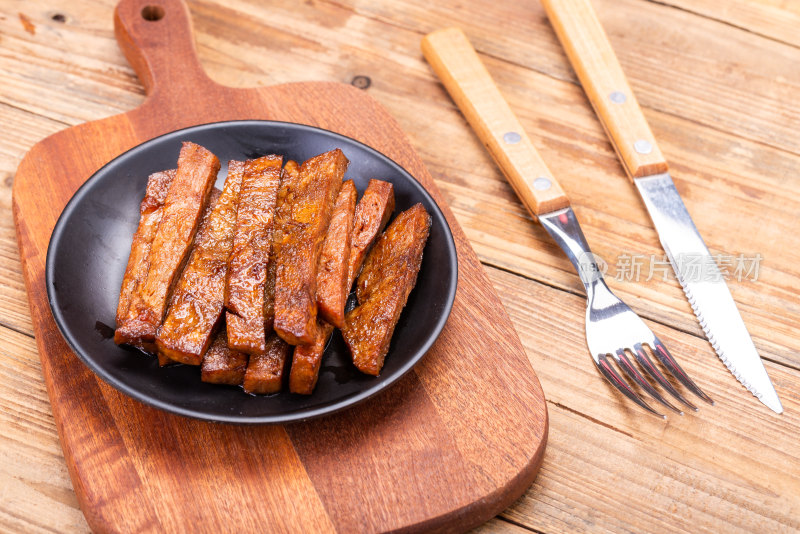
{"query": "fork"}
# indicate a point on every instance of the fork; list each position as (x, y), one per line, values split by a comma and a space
(613, 330)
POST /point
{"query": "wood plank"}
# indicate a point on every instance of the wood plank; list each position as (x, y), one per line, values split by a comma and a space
(596, 479)
(500, 526)
(36, 493)
(675, 78)
(774, 19)
(613, 468)
(21, 130)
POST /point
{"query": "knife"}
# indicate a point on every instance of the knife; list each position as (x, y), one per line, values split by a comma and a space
(582, 36)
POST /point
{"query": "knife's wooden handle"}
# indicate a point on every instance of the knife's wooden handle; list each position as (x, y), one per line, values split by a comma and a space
(473, 90)
(600, 73)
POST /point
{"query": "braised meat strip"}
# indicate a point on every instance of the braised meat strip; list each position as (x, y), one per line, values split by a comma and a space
(303, 218)
(264, 373)
(182, 212)
(373, 212)
(307, 360)
(291, 169)
(332, 288)
(388, 276)
(371, 215)
(221, 364)
(150, 212)
(265, 370)
(252, 245)
(199, 297)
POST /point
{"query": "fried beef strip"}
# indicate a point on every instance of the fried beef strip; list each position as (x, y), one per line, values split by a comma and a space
(252, 244)
(265, 370)
(388, 276)
(307, 360)
(221, 364)
(372, 213)
(150, 212)
(303, 218)
(332, 288)
(182, 212)
(290, 169)
(199, 297)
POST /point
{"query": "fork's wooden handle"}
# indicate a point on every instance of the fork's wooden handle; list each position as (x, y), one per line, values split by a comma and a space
(599, 71)
(469, 83)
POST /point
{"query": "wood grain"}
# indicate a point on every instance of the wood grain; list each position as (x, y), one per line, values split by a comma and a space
(131, 465)
(774, 19)
(693, 474)
(717, 83)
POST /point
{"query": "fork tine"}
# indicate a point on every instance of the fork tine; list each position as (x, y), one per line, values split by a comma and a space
(669, 362)
(647, 364)
(626, 365)
(608, 371)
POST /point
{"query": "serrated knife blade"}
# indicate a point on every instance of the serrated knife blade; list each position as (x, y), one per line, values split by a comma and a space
(705, 287)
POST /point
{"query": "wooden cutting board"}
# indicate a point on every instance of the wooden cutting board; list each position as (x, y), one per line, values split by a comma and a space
(452, 444)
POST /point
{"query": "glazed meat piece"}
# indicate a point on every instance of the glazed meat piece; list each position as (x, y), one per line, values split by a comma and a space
(373, 212)
(264, 373)
(182, 212)
(198, 299)
(307, 360)
(153, 346)
(149, 216)
(290, 169)
(332, 288)
(371, 215)
(303, 218)
(265, 370)
(388, 276)
(252, 245)
(221, 364)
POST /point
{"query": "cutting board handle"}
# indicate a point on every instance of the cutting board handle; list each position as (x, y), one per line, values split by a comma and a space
(157, 38)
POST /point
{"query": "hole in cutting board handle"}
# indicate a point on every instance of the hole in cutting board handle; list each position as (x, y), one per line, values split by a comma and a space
(152, 13)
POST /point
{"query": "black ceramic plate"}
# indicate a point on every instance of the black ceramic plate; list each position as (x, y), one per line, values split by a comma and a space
(89, 250)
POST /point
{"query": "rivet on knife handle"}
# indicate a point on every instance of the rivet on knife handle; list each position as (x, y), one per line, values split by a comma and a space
(469, 83)
(599, 71)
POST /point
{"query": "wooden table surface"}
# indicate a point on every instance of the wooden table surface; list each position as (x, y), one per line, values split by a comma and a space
(720, 86)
